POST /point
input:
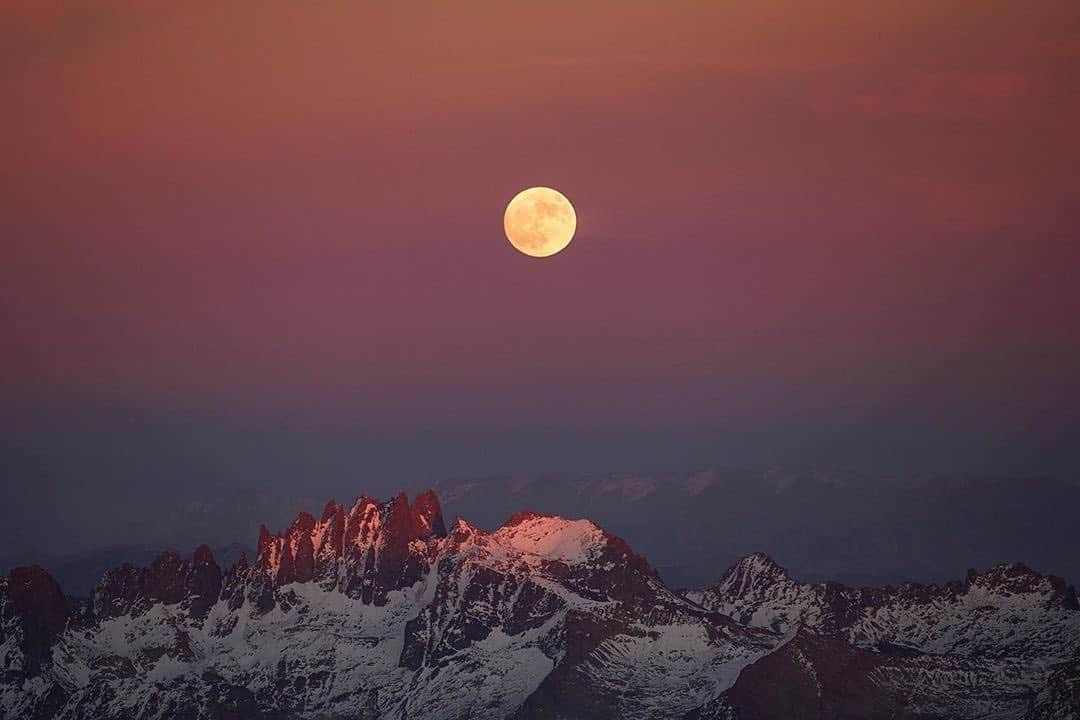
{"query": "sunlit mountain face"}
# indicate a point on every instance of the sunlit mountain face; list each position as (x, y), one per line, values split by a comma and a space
(860, 529)
(379, 609)
(857, 528)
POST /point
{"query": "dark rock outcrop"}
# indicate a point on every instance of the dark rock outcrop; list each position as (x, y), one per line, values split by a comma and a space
(169, 580)
(809, 678)
(32, 606)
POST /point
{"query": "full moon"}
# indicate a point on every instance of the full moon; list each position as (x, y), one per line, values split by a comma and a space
(540, 221)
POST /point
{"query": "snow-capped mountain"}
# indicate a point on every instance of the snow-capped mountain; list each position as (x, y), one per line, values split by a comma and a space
(1010, 611)
(982, 647)
(824, 524)
(377, 610)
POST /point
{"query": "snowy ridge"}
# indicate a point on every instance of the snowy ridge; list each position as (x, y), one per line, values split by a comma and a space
(375, 611)
(978, 648)
(1008, 608)
(548, 538)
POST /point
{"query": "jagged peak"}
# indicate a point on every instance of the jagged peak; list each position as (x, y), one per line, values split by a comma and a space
(462, 526)
(396, 503)
(425, 506)
(167, 557)
(427, 516)
(30, 576)
(203, 556)
(331, 509)
(426, 495)
(309, 549)
(169, 579)
(752, 571)
(1007, 575)
(1011, 569)
(304, 521)
(761, 563)
(1016, 578)
(756, 573)
(360, 503)
(463, 533)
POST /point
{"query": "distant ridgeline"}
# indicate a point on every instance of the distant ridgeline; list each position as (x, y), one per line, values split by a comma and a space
(824, 525)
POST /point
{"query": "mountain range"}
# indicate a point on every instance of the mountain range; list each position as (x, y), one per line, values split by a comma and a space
(822, 524)
(381, 610)
(860, 529)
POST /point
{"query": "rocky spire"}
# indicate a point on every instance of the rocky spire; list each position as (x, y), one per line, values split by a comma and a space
(752, 573)
(427, 516)
(366, 551)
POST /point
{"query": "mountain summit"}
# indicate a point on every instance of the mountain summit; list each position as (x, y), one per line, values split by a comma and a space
(377, 610)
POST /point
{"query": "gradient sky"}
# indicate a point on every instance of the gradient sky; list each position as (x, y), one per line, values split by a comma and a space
(248, 244)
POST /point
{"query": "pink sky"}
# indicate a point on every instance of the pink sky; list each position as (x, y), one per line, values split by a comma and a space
(856, 211)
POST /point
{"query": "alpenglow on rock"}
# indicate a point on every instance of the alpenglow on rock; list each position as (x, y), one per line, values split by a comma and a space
(378, 610)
